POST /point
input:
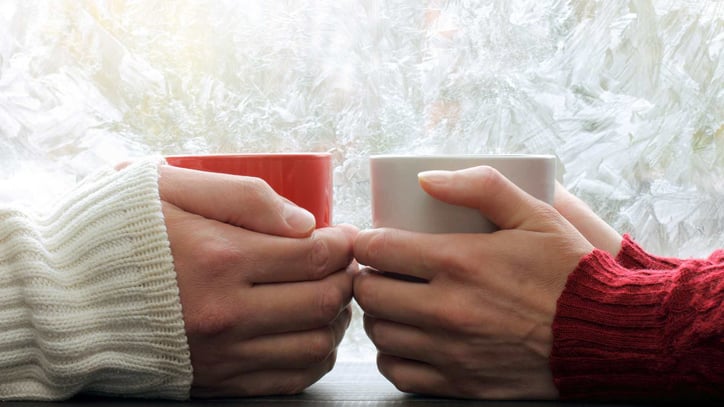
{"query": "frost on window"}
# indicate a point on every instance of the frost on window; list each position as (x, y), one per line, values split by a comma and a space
(627, 94)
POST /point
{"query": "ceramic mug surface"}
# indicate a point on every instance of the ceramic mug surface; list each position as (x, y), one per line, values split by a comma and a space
(303, 178)
(399, 202)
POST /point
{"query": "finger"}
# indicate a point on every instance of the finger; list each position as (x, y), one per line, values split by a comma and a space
(411, 376)
(247, 257)
(418, 255)
(497, 198)
(404, 302)
(291, 307)
(278, 260)
(432, 257)
(263, 383)
(293, 350)
(403, 341)
(246, 202)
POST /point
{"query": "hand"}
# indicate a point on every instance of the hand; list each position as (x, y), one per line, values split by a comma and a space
(593, 228)
(479, 323)
(265, 297)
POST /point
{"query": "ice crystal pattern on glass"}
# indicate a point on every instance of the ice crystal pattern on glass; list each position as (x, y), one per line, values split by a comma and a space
(627, 93)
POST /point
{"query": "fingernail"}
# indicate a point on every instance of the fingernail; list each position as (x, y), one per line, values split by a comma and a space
(434, 177)
(298, 218)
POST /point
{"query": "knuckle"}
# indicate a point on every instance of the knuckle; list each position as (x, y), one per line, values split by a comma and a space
(384, 366)
(368, 325)
(380, 341)
(448, 259)
(331, 302)
(401, 381)
(319, 258)
(208, 320)
(363, 293)
(218, 258)
(489, 178)
(455, 318)
(256, 191)
(346, 317)
(376, 246)
(340, 325)
(256, 185)
(319, 347)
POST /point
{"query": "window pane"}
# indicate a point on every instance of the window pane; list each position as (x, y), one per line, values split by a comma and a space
(627, 94)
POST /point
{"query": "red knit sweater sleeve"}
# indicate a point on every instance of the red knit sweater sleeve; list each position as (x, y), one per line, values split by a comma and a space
(632, 256)
(651, 331)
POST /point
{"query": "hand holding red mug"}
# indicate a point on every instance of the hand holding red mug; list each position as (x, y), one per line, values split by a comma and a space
(303, 178)
(264, 295)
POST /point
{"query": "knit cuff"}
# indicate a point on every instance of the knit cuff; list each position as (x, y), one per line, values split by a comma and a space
(639, 334)
(88, 296)
(632, 256)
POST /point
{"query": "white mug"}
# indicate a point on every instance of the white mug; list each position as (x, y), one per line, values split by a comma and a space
(398, 200)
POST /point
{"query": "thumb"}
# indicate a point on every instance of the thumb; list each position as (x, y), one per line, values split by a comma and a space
(498, 199)
(246, 202)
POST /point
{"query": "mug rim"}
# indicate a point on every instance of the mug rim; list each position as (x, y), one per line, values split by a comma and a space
(407, 157)
(252, 155)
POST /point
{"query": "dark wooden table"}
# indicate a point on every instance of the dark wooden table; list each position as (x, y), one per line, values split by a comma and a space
(349, 384)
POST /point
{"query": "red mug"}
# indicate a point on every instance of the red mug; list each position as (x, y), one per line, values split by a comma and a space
(303, 178)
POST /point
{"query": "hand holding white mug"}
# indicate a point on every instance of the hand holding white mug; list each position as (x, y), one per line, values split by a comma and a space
(479, 323)
(264, 295)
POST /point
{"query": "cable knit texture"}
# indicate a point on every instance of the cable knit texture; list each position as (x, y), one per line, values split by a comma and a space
(641, 327)
(88, 295)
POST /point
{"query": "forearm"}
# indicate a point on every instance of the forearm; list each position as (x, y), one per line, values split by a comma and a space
(624, 333)
(88, 296)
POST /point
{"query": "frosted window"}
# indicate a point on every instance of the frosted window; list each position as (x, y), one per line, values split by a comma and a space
(628, 95)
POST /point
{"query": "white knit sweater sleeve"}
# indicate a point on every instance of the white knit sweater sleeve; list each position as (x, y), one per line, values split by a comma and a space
(88, 296)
